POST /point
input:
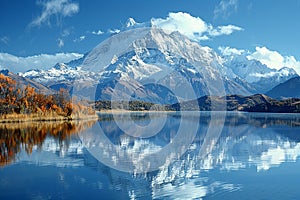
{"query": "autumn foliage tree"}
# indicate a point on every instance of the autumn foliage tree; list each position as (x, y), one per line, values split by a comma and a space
(7, 97)
(14, 100)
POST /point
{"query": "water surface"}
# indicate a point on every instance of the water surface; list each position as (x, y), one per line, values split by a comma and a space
(230, 156)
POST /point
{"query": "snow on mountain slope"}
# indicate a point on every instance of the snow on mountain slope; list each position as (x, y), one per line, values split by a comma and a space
(149, 63)
(269, 80)
(61, 76)
(261, 77)
(59, 72)
(141, 56)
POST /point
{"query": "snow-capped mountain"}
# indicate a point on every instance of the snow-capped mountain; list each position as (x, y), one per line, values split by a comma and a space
(153, 65)
(62, 75)
(144, 61)
(261, 77)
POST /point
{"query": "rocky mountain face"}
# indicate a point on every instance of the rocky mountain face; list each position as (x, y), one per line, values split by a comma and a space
(151, 65)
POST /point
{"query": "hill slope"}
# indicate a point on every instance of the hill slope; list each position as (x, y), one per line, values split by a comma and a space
(288, 89)
(253, 103)
(23, 82)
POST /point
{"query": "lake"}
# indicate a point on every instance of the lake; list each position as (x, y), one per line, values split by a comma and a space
(187, 155)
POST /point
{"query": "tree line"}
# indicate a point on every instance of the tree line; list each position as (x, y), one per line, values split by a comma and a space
(26, 100)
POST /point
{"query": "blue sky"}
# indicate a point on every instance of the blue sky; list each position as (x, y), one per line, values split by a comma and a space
(267, 29)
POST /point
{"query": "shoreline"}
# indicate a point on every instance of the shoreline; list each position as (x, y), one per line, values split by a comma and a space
(21, 118)
(132, 111)
(174, 111)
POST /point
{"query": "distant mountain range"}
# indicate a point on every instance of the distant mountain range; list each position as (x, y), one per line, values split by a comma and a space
(253, 103)
(160, 67)
(23, 82)
(287, 89)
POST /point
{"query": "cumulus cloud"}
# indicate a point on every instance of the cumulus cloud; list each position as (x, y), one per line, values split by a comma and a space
(42, 61)
(225, 8)
(99, 32)
(193, 27)
(55, 8)
(274, 59)
(225, 30)
(228, 51)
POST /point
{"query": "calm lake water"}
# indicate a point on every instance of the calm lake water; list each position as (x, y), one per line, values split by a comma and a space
(154, 156)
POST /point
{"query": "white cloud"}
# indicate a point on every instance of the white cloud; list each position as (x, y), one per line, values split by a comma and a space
(291, 62)
(225, 30)
(55, 8)
(283, 72)
(225, 8)
(274, 59)
(271, 59)
(4, 39)
(193, 27)
(228, 51)
(60, 43)
(42, 61)
(79, 39)
(114, 31)
(99, 32)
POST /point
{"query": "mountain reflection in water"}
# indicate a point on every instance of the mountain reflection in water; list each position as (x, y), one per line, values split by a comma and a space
(235, 163)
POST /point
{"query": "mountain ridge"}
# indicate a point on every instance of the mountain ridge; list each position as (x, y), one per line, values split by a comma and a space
(253, 103)
(286, 89)
(23, 82)
(134, 59)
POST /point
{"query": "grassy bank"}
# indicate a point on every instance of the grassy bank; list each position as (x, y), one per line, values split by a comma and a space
(36, 117)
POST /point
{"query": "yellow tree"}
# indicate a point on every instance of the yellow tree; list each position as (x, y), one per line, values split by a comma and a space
(7, 96)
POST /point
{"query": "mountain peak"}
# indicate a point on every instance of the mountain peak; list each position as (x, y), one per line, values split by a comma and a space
(60, 66)
(149, 62)
(130, 22)
(4, 72)
(287, 71)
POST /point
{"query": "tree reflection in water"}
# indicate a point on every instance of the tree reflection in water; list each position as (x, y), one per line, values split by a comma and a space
(15, 137)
